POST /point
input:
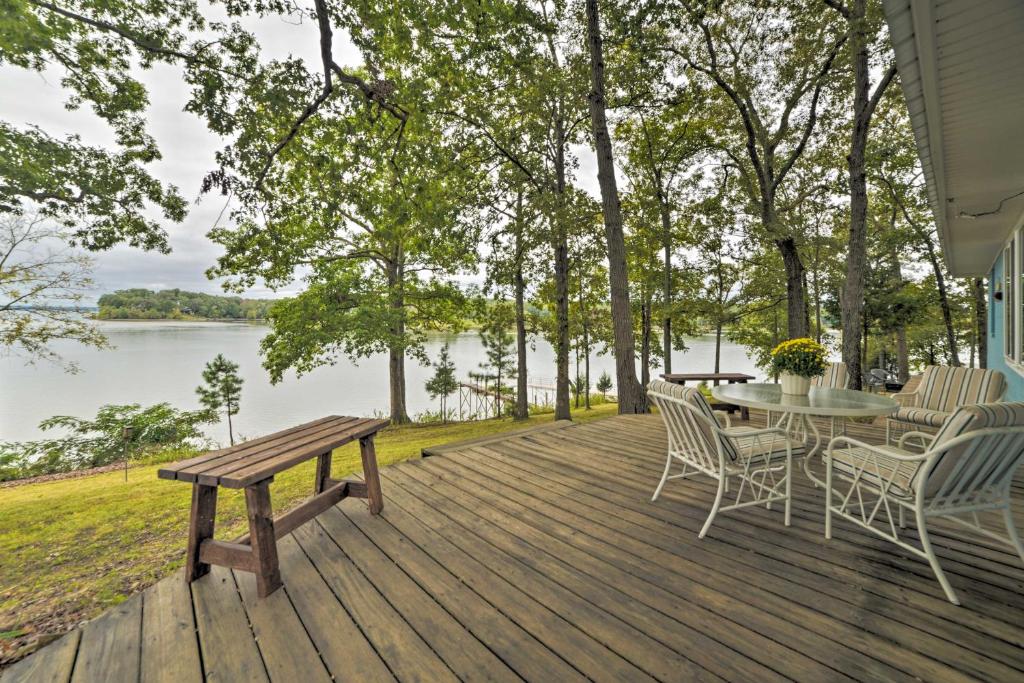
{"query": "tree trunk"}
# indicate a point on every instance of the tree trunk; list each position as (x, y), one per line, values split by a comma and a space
(718, 347)
(852, 310)
(817, 293)
(947, 312)
(632, 398)
(522, 408)
(797, 315)
(231, 431)
(585, 328)
(902, 355)
(666, 242)
(981, 321)
(562, 411)
(396, 352)
(586, 364)
(645, 341)
(576, 379)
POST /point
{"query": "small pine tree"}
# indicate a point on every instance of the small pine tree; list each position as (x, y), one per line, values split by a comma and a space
(443, 383)
(497, 342)
(604, 383)
(222, 390)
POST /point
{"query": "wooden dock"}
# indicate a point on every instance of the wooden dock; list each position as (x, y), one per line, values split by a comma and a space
(540, 557)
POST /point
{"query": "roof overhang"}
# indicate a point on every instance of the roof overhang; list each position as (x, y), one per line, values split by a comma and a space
(961, 66)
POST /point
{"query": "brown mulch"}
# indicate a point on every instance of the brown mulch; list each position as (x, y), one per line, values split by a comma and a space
(74, 474)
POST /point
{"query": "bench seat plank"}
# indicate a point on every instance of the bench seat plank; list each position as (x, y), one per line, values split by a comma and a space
(171, 471)
(245, 464)
(251, 473)
(210, 474)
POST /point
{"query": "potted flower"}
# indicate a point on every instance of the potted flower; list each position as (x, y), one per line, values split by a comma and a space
(796, 361)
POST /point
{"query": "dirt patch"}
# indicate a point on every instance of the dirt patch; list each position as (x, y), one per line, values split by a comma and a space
(73, 474)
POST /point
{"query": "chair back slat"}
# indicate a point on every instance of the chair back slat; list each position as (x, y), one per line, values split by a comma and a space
(693, 433)
(975, 453)
(835, 377)
(947, 388)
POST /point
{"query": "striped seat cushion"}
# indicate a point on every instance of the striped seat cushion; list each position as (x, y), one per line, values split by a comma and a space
(967, 419)
(755, 447)
(692, 396)
(877, 468)
(921, 416)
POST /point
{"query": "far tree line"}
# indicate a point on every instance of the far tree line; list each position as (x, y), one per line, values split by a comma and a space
(177, 304)
(756, 176)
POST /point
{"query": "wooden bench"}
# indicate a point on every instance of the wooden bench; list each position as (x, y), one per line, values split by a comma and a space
(252, 466)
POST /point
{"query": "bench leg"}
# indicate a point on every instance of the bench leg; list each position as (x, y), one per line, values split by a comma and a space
(261, 537)
(371, 475)
(200, 528)
(323, 472)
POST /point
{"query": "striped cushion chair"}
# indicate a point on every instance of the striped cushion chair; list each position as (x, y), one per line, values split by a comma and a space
(761, 459)
(835, 377)
(941, 391)
(967, 468)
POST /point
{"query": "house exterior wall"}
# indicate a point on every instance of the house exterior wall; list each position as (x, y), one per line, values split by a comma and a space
(996, 340)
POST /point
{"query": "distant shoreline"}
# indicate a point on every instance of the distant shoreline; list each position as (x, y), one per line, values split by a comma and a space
(177, 320)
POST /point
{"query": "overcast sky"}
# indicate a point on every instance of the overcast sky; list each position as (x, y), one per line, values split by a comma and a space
(188, 154)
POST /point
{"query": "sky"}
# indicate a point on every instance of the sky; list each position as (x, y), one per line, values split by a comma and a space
(188, 148)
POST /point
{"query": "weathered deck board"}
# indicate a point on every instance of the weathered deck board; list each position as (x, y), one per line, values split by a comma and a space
(539, 556)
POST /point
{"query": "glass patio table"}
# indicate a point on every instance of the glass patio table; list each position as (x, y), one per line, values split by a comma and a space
(796, 411)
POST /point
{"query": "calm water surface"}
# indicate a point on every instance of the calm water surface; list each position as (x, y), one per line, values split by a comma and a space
(163, 361)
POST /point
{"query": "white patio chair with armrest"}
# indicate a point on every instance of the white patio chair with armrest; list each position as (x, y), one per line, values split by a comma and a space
(941, 391)
(967, 469)
(835, 377)
(761, 460)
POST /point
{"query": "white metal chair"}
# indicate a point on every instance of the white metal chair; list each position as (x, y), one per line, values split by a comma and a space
(760, 460)
(942, 390)
(835, 377)
(967, 469)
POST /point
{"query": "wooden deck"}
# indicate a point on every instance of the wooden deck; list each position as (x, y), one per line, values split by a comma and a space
(540, 557)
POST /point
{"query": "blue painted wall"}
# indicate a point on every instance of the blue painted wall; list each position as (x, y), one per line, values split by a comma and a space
(996, 358)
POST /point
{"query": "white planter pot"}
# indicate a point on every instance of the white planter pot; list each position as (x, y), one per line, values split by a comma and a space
(795, 384)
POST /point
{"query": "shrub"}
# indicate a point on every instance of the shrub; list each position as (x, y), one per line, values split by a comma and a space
(100, 441)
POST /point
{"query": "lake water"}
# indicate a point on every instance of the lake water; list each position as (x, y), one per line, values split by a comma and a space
(163, 361)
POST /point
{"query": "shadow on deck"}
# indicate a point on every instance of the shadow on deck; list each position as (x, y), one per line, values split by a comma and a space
(540, 556)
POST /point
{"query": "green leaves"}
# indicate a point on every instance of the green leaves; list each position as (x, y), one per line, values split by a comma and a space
(100, 441)
(101, 196)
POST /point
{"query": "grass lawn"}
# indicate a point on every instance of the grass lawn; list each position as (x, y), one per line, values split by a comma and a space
(72, 548)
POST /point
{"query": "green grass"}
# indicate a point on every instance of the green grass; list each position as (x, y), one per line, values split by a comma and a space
(72, 548)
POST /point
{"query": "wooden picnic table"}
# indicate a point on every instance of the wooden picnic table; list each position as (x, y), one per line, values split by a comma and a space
(252, 466)
(716, 377)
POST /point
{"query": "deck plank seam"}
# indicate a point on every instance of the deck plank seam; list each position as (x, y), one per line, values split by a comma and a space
(425, 590)
(728, 540)
(805, 513)
(248, 621)
(195, 629)
(482, 596)
(782, 614)
(601, 513)
(943, 536)
(408, 491)
(596, 579)
(366, 636)
(384, 598)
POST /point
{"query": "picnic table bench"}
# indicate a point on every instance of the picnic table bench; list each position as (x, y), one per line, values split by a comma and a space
(716, 377)
(252, 466)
